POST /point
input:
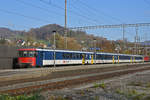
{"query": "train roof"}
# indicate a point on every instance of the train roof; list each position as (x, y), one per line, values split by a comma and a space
(117, 54)
(39, 49)
(28, 49)
(63, 51)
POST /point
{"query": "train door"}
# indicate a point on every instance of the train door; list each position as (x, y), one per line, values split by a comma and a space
(83, 59)
(39, 58)
(134, 59)
(103, 58)
(92, 61)
(113, 58)
(94, 58)
(131, 60)
(118, 60)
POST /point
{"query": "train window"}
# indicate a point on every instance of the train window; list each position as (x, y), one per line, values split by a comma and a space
(138, 58)
(90, 56)
(120, 57)
(81, 56)
(78, 56)
(70, 55)
(31, 54)
(58, 55)
(103, 56)
(75, 56)
(127, 57)
(86, 56)
(26, 53)
(115, 57)
(108, 57)
(65, 56)
(98, 56)
(124, 57)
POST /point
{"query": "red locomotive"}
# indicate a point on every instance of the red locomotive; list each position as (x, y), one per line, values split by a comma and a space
(27, 57)
(147, 58)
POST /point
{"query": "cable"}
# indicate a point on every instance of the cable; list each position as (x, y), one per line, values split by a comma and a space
(54, 5)
(59, 7)
(76, 7)
(82, 13)
(29, 17)
(35, 6)
(95, 10)
(14, 26)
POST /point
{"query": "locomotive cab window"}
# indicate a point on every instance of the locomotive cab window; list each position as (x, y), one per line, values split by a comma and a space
(27, 54)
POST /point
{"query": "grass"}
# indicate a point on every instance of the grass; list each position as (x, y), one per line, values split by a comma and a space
(148, 85)
(118, 91)
(131, 94)
(135, 84)
(59, 98)
(101, 85)
(96, 98)
(35, 96)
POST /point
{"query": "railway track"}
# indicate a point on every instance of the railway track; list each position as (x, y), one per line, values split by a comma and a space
(63, 79)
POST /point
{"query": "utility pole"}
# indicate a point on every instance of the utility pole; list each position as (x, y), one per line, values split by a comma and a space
(136, 39)
(134, 49)
(123, 32)
(65, 32)
(139, 45)
(123, 36)
(95, 49)
(54, 32)
(145, 45)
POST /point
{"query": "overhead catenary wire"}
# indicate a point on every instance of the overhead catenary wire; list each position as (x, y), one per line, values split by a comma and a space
(25, 16)
(15, 26)
(95, 10)
(71, 11)
(87, 11)
(42, 8)
(83, 12)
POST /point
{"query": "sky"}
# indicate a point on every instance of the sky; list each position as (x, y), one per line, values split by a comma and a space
(26, 14)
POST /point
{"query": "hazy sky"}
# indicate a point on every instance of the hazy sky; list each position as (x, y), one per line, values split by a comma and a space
(25, 14)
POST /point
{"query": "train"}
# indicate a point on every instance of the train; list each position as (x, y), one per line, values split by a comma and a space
(147, 59)
(37, 57)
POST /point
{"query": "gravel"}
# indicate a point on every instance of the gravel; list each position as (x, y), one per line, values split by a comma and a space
(129, 87)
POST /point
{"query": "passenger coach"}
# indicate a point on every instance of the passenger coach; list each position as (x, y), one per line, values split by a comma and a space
(46, 57)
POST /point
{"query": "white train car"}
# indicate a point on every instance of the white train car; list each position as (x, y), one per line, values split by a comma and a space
(47, 57)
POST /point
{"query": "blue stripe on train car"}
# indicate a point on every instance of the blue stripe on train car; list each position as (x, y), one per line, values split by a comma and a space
(39, 58)
(48, 55)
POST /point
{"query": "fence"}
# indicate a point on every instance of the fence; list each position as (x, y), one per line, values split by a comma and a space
(8, 57)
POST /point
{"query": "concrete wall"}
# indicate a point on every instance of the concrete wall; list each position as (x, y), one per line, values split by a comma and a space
(8, 57)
